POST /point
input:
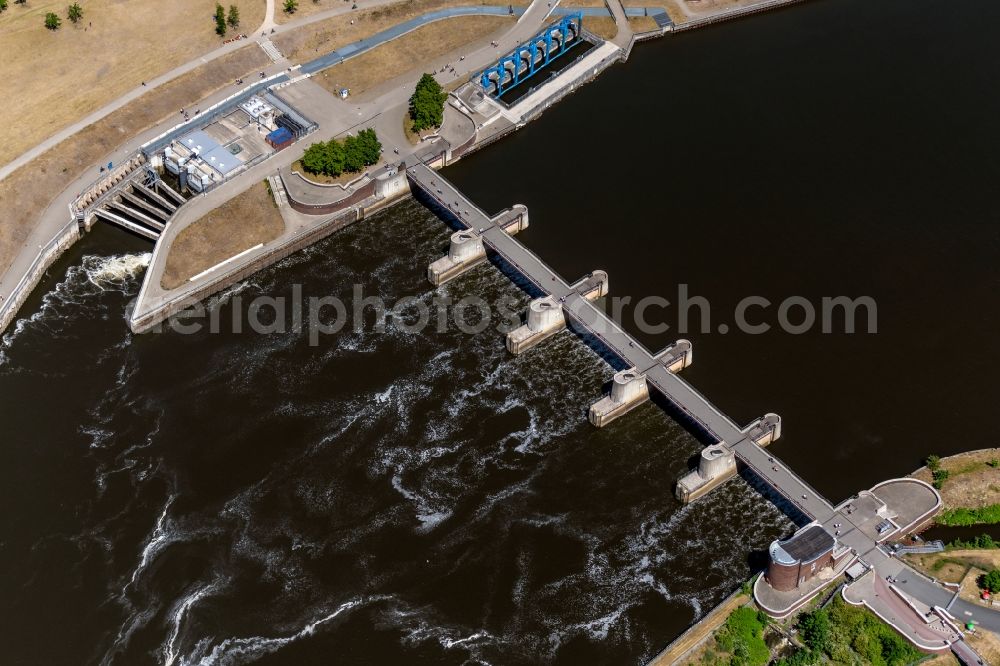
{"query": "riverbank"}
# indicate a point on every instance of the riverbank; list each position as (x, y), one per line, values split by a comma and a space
(973, 480)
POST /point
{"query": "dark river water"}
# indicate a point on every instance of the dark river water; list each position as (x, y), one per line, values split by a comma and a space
(396, 497)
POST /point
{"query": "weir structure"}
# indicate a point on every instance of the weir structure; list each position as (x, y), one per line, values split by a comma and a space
(531, 56)
(559, 305)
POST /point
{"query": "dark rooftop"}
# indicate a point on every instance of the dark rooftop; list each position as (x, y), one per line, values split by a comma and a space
(804, 546)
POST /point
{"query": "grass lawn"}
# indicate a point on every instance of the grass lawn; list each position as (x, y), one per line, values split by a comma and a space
(54, 78)
(239, 224)
(399, 56)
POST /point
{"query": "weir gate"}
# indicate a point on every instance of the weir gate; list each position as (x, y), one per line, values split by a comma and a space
(531, 56)
(560, 305)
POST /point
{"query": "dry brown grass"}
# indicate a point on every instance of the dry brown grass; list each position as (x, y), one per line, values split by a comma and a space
(305, 8)
(987, 644)
(946, 659)
(952, 566)
(642, 23)
(237, 225)
(969, 589)
(34, 185)
(602, 26)
(681, 11)
(399, 56)
(673, 7)
(971, 483)
(53, 78)
(311, 41)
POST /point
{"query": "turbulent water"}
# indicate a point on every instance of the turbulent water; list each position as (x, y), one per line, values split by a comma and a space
(384, 497)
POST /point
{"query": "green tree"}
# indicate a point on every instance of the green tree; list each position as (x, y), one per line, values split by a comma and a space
(74, 12)
(351, 155)
(815, 628)
(52, 22)
(427, 104)
(220, 20)
(291, 6)
(3, 5)
(933, 462)
(234, 16)
(991, 581)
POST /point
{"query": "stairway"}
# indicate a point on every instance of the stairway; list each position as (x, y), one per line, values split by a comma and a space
(270, 49)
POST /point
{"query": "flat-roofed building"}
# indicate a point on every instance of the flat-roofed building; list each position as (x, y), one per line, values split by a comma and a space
(802, 556)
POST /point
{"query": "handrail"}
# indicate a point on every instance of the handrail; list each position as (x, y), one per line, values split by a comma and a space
(10, 307)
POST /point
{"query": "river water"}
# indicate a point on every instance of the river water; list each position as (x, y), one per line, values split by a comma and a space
(397, 497)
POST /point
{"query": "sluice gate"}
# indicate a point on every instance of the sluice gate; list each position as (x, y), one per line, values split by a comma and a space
(531, 56)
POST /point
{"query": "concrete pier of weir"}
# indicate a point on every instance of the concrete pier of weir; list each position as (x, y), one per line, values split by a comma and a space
(629, 388)
(466, 249)
(717, 463)
(545, 316)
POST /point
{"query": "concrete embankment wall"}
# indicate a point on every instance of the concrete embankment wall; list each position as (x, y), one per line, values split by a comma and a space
(45, 258)
(687, 643)
(739, 12)
(355, 197)
(241, 271)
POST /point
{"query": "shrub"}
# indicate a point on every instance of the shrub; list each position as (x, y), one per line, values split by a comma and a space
(940, 476)
(52, 22)
(933, 462)
(74, 12)
(800, 658)
(960, 517)
(290, 6)
(991, 581)
(981, 541)
(743, 637)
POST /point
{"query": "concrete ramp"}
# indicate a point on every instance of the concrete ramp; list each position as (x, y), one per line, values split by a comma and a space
(120, 221)
(145, 205)
(169, 191)
(142, 217)
(145, 191)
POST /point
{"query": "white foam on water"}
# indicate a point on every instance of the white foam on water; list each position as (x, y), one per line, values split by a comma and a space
(80, 285)
(170, 649)
(135, 621)
(232, 651)
(428, 515)
(159, 539)
(106, 271)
